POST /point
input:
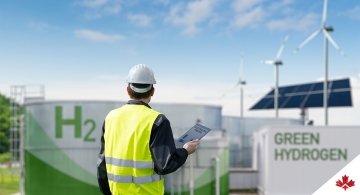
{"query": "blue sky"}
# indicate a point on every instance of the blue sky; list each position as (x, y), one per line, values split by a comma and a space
(82, 49)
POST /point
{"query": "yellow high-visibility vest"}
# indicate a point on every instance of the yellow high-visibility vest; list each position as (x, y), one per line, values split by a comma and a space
(129, 164)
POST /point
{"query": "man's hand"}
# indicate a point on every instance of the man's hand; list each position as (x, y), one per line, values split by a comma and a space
(191, 146)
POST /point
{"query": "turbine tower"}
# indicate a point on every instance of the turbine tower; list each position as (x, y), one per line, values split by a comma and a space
(241, 82)
(325, 30)
(277, 62)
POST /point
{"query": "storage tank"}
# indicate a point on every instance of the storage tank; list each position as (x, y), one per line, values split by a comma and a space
(62, 139)
(240, 130)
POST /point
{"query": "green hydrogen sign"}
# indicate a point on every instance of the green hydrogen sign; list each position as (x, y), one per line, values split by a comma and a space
(306, 156)
(305, 146)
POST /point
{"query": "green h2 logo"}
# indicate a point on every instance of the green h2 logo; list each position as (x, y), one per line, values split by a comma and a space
(60, 122)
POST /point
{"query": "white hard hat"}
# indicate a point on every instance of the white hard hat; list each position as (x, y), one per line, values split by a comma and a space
(141, 74)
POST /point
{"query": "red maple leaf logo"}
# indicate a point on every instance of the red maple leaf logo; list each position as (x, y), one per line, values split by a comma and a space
(345, 183)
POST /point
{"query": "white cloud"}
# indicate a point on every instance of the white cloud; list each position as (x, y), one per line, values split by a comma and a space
(354, 13)
(304, 23)
(191, 15)
(94, 3)
(141, 20)
(271, 14)
(247, 13)
(42, 26)
(99, 8)
(281, 6)
(355, 81)
(248, 18)
(245, 5)
(163, 2)
(97, 36)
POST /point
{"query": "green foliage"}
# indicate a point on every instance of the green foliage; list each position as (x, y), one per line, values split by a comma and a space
(4, 112)
(5, 157)
(4, 123)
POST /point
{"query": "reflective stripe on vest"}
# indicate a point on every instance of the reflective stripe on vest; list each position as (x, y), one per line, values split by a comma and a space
(136, 180)
(128, 163)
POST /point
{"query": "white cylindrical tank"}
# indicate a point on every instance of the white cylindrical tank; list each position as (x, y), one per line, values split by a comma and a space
(62, 141)
(239, 131)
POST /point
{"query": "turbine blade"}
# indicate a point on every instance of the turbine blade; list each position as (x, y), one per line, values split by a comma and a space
(268, 62)
(324, 16)
(332, 41)
(279, 52)
(230, 89)
(241, 71)
(313, 35)
(281, 49)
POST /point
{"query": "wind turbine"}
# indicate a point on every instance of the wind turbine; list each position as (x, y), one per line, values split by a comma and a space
(327, 38)
(277, 62)
(240, 83)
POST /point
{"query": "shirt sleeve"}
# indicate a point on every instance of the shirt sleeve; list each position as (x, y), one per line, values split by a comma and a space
(101, 167)
(167, 158)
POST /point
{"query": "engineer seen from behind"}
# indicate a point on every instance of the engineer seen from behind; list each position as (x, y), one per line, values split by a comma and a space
(137, 143)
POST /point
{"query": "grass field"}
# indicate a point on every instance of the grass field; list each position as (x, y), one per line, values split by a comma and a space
(9, 181)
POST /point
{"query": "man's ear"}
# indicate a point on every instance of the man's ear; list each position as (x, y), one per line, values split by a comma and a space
(152, 91)
(128, 89)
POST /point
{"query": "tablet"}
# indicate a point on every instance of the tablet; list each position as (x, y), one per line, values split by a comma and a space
(198, 131)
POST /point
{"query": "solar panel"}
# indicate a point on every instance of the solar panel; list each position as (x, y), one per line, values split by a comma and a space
(308, 95)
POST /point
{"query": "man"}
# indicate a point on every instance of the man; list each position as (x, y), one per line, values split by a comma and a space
(137, 145)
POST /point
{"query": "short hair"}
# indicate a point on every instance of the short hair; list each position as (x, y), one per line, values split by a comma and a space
(137, 95)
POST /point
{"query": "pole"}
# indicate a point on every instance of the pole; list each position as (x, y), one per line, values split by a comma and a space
(325, 91)
(179, 181)
(192, 178)
(276, 91)
(241, 83)
(217, 175)
(172, 184)
(241, 100)
(325, 100)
